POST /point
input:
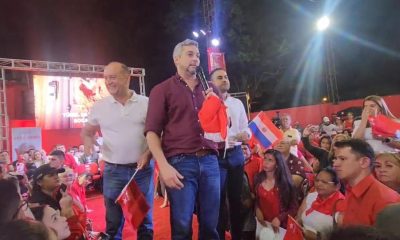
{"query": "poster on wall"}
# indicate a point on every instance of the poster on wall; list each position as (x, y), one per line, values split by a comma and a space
(24, 139)
(64, 102)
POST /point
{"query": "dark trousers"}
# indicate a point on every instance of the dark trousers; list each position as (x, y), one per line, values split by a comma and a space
(231, 172)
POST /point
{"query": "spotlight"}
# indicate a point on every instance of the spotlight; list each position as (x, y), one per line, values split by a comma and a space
(195, 34)
(323, 23)
(203, 32)
(324, 99)
(215, 42)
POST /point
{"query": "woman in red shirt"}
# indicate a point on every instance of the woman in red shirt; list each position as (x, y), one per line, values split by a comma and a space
(275, 192)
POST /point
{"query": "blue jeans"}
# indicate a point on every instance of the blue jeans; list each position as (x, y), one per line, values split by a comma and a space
(231, 171)
(114, 180)
(201, 183)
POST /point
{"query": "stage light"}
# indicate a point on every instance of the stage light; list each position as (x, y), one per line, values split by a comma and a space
(215, 42)
(195, 34)
(203, 32)
(324, 99)
(323, 23)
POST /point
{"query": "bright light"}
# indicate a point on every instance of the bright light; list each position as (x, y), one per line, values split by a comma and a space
(203, 32)
(215, 42)
(324, 99)
(323, 23)
(195, 34)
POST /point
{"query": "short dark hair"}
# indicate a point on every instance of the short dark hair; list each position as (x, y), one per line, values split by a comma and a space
(332, 172)
(359, 147)
(214, 70)
(325, 137)
(24, 229)
(58, 153)
(9, 200)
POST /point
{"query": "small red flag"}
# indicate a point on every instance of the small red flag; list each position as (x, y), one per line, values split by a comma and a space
(384, 126)
(293, 230)
(133, 204)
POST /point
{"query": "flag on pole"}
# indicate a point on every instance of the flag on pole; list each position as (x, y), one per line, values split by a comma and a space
(293, 230)
(264, 131)
(133, 203)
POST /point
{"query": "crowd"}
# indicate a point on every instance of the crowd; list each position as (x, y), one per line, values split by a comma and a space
(337, 180)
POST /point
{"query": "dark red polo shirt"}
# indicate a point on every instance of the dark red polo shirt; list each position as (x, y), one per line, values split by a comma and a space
(173, 111)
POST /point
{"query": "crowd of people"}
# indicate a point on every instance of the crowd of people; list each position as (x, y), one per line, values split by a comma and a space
(337, 180)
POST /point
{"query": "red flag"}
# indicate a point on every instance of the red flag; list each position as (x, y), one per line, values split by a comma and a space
(384, 126)
(133, 204)
(293, 230)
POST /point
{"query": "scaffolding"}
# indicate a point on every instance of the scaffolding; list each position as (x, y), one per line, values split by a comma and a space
(47, 67)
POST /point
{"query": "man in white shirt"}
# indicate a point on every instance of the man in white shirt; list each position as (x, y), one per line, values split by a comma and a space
(290, 133)
(121, 118)
(231, 166)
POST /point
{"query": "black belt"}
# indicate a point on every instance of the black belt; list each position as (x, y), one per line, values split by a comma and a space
(129, 165)
(201, 153)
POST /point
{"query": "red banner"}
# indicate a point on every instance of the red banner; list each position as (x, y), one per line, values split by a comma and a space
(216, 59)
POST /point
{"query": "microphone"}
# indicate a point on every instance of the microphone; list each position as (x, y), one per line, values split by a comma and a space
(202, 78)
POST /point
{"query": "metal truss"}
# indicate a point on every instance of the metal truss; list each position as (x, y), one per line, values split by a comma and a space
(60, 67)
(51, 67)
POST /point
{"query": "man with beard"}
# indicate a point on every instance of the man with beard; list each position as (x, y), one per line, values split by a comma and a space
(188, 162)
(231, 162)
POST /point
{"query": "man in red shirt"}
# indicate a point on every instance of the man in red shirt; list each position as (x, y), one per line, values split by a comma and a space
(61, 156)
(365, 196)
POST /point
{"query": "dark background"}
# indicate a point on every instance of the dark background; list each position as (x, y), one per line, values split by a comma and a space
(264, 42)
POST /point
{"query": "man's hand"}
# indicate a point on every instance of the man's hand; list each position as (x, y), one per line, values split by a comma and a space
(307, 130)
(276, 224)
(144, 160)
(308, 235)
(171, 177)
(66, 202)
(209, 92)
(242, 137)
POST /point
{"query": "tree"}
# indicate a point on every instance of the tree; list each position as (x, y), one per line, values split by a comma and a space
(255, 49)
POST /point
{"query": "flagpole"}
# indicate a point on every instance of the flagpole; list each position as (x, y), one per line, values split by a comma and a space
(126, 186)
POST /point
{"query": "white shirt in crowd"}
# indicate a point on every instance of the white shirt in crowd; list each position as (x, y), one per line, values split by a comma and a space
(292, 134)
(238, 118)
(316, 221)
(376, 144)
(122, 128)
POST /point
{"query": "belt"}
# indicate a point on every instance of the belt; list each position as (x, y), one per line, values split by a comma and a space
(202, 152)
(129, 165)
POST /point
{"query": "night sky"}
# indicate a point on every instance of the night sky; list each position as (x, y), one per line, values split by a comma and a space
(366, 42)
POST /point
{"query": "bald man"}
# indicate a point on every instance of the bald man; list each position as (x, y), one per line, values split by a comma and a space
(121, 118)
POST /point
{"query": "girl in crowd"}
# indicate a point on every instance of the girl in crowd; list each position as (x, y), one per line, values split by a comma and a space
(53, 220)
(76, 184)
(323, 154)
(348, 122)
(387, 170)
(339, 125)
(319, 208)
(372, 106)
(38, 159)
(275, 193)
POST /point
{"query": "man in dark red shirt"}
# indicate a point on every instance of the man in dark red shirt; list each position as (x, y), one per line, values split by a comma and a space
(365, 196)
(187, 161)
